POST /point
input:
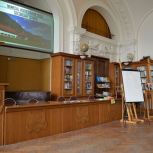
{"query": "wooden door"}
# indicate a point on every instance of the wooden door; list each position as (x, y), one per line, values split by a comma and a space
(68, 77)
(88, 78)
(78, 77)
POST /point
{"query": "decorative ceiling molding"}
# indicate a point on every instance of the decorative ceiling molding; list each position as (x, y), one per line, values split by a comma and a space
(122, 11)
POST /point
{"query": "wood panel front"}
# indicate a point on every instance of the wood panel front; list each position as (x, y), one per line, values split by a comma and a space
(70, 119)
(110, 112)
(93, 113)
(28, 122)
(26, 125)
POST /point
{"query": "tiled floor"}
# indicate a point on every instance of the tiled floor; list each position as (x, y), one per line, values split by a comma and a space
(110, 137)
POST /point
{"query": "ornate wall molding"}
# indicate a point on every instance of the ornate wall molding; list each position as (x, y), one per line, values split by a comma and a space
(126, 47)
(36, 121)
(100, 46)
(126, 21)
(82, 114)
(76, 34)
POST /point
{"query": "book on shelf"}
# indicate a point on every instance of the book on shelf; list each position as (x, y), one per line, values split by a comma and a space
(103, 79)
(68, 70)
(143, 73)
(143, 80)
(68, 85)
(68, 63)
(105, 85)
(88, 91)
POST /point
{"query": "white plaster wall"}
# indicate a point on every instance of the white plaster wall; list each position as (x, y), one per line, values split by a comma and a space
(138, 9)
(79, 5)
(141, 13)
(145, 37)
(66, 25)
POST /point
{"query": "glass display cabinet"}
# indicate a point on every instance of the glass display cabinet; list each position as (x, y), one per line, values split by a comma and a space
(143, 75)
(88, 78)
(72, 76)
(68, 77)
(78, 80)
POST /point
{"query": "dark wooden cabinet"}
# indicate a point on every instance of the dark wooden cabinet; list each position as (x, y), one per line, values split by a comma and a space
(101, 70)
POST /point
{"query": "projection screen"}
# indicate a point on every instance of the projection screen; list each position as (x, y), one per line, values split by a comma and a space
(26, 27)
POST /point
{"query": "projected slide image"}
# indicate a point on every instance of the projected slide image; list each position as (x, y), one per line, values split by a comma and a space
(18, 30)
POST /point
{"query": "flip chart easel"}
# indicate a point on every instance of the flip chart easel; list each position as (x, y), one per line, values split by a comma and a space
(130, 108)
(150, 118)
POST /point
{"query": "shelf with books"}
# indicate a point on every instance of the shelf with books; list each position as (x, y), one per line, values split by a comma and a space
(88, 77)
(68, 76)
(104, 87)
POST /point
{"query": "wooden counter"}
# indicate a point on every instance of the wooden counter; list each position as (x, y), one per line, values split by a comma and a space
(25, 122)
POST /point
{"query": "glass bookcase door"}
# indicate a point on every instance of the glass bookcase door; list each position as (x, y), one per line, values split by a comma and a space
(143, 75)
(151, 72)
(68, 77)
(117, 79)
(88, 78)
(78, 75)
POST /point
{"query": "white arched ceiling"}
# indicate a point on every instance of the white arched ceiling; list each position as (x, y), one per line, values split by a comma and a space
(106, 12)
(72, 12)
(145, 36)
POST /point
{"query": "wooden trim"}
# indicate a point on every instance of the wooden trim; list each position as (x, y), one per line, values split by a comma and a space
(70, 55)
(4, 84)
(54, 104)
(81, 75)
(1, 43)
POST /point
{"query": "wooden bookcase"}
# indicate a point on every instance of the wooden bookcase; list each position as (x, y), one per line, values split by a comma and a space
(116, 78)
(101, 70)
(71, 76)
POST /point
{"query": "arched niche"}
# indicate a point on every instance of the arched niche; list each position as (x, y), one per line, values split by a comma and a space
(145, 36)
(108, 15)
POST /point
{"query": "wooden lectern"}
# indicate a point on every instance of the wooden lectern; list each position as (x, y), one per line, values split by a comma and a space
(2, 111)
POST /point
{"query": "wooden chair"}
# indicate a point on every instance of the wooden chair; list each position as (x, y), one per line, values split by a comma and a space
(61, 99)
(73, 98)
(32, 101)
(91, 97)
(10, 101)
